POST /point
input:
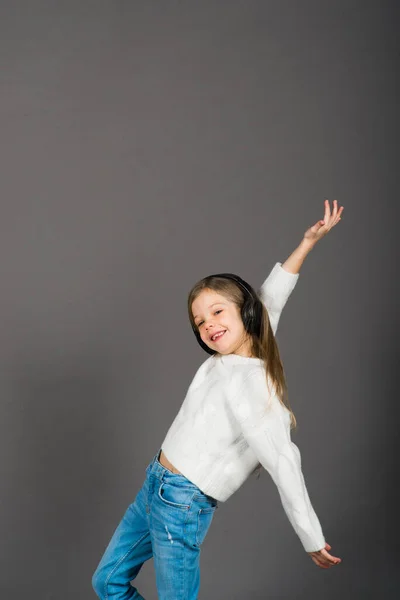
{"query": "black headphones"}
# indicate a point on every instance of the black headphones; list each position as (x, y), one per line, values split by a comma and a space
(251, 312)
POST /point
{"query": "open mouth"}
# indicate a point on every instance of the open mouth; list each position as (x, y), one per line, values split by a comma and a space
(219, 336)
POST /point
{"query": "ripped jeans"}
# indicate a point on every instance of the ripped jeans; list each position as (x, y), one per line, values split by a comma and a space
(167, 521)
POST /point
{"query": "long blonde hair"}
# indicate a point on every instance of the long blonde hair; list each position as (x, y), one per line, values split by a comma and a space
(263, 346)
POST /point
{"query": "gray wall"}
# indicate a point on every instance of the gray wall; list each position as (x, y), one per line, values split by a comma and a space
(145, 145)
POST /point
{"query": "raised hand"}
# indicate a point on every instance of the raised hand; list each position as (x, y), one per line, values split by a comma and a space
(323, 559)
(321, 228)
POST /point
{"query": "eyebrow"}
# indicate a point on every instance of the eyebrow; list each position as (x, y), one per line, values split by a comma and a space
(223, 303)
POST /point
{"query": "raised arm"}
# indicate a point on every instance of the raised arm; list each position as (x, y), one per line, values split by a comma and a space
(265, 425)
(280, 283)
(278, 286)
(275, 292)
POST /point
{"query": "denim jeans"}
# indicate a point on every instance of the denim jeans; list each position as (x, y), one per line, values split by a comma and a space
(167, 521)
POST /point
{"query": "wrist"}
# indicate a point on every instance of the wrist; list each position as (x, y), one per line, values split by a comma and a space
(307, 244)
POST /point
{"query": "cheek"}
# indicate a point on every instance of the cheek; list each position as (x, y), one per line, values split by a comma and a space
(204, 336)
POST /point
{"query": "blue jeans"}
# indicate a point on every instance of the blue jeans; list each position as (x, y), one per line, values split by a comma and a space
(167, 521)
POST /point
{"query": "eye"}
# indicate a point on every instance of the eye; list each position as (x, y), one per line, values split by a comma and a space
(215, 312)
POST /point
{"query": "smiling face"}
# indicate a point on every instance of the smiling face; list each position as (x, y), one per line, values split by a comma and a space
(212, 313)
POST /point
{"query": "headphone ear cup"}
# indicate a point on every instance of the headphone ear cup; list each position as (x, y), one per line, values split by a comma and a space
(258, 317)
(252, 316)
(248, 316)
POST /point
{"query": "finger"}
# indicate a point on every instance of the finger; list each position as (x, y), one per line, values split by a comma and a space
(334, 212)
(327, 564)
(327, 210)
(331, 559)
(319, 560)
(327, 220)
(332, 562)
(338, 216)
(314, 228)
(332, 218)
(325, 554)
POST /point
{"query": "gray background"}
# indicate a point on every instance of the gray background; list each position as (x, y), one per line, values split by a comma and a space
(145, 145)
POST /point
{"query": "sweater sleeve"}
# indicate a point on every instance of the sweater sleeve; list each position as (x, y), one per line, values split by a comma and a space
(275, 291)
(265, 424)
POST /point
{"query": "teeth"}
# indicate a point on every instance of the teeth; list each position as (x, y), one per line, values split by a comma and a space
(217, 335)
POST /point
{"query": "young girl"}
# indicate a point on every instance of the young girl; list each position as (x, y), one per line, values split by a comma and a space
(233, 421)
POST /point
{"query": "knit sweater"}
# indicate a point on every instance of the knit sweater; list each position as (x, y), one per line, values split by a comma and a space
(229, 422)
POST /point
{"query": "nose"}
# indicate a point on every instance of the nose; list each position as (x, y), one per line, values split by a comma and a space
(209, 329)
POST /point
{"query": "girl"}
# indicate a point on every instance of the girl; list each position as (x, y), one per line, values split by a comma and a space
(233, 421)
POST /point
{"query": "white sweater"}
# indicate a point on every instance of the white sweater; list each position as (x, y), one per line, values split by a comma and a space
(228, 423)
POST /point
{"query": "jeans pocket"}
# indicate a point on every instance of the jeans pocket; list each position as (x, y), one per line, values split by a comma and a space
(204, 517)
(175, 495)
(206, 507)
